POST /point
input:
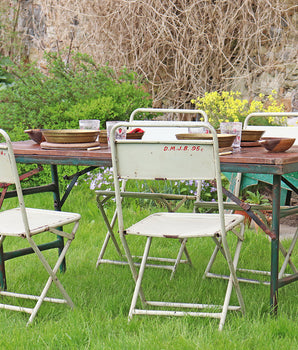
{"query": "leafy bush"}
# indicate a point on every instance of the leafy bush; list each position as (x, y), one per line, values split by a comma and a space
(229, 107)
(66, 93)
(6, 78)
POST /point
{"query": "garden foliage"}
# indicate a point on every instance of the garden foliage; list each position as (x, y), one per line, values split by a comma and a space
(64, 93)
(228, 106)
(67, 92)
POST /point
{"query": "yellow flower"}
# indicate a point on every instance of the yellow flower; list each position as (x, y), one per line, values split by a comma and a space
(228, 106)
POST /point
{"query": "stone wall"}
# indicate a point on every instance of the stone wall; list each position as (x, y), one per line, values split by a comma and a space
(86, 26)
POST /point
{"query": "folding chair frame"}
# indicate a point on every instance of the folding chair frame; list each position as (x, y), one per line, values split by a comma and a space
(102, 196)
(127, 170)
(163, 263)
(9, 175)
(285, 211)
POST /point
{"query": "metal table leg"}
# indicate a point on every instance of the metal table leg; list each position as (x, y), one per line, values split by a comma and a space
(57, 205)
(275, 243)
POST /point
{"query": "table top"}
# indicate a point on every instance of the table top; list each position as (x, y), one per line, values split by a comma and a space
(30, 152)
(247, 159)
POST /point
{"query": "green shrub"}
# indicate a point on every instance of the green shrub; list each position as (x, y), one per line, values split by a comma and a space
(65, 93)
(6, 78)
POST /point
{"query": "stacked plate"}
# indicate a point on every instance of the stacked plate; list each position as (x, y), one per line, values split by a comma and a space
(70, 138)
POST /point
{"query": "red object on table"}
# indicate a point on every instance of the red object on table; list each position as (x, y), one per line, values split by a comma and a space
(136, 130)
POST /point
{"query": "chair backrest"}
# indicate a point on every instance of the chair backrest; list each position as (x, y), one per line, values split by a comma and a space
(171, 160)
(273, 131)
(165, 160)
(168, 111)
(169, 132)
(9, 173)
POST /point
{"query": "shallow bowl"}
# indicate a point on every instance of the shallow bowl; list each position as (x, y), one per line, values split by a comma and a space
(277, 144)
(251, 135)
(224, 140)
(103, 137)
(134, 135)
(70, 135)
(35, 135)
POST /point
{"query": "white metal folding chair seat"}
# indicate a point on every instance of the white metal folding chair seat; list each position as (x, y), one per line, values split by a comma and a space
(24, 223)
(12, 223)
(183, 225)
(176, 160)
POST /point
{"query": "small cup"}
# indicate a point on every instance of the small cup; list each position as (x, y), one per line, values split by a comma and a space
(89, 124)
(232, 128)
(200, 130)
(120, 133)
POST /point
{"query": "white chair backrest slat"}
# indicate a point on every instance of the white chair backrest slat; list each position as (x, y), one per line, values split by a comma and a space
(6, 173)
(166, 160)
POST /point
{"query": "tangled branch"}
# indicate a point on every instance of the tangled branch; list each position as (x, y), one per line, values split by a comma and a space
(182, 47)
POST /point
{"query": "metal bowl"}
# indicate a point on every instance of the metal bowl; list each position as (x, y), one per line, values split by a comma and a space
(70, 135)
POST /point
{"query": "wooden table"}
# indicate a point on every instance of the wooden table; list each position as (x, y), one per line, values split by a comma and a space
(247, 160)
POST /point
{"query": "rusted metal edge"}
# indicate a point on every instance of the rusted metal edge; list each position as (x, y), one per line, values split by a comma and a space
(247, 208)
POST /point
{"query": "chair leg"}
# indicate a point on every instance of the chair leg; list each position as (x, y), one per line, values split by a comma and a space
(110, 234)
(218, 247)
(232, 281)
(3, 284)
(188, 259)
(51, 279)
(236, 280)
(132, 266)
(287, 256)
(103, 249)
(140, 277)
(181, 250)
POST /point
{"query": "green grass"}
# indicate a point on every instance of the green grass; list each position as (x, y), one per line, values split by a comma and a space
(102, 296)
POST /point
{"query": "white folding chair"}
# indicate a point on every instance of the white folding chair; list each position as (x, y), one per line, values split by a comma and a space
(102, 196)
(25, 223)
(273, 131)
(176, 160)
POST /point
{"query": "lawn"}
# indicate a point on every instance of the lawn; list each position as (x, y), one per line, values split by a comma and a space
(102, 297)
